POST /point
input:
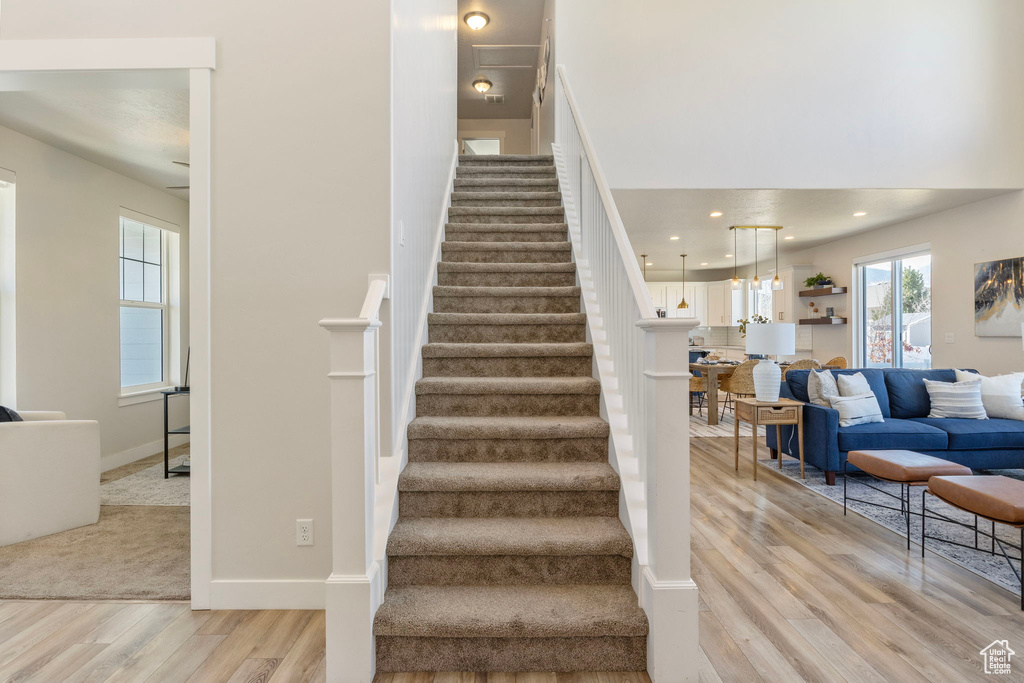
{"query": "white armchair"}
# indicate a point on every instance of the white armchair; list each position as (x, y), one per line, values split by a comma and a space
(49, 475)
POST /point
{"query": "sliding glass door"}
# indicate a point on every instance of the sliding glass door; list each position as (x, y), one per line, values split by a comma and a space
(895, 327)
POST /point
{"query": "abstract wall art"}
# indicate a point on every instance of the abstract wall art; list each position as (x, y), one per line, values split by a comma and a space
(999, 298)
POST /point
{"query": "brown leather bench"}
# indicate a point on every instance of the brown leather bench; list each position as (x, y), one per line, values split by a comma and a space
(905, 468)
(995, 498)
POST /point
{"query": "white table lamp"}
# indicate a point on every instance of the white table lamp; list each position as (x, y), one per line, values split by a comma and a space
(770, 339)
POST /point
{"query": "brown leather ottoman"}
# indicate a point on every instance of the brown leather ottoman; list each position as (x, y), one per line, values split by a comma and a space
(905, 468)
(995, 498)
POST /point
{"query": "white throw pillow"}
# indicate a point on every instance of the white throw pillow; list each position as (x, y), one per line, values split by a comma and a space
(857, 410)
(1001, 395)
(821, 386)
(956, 399)
(853, 385)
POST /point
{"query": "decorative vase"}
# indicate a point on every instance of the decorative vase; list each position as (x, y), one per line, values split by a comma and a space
(767, 381)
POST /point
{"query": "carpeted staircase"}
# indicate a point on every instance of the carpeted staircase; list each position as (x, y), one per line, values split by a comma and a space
(508, 554)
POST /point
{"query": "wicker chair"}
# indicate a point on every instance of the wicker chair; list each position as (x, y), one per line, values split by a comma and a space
(698, 387)
(806, 364)
(740, 382)
(839, 362)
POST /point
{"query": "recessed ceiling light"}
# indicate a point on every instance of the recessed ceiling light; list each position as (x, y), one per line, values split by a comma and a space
(790, 237)
(649, 263)
(476, 20)
(482, 84)
(716, 214)
(861, 213)
(704, 263)
(728, 256)
(674, 238)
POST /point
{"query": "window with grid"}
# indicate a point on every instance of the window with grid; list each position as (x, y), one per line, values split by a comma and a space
(144, 323)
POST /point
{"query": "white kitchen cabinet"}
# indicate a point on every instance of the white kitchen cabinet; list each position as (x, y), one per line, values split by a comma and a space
(719, 304)
(659, 293)
(787, 306)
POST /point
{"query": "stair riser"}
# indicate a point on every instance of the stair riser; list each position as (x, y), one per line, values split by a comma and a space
(489, 570)
(509, 450)
(506, 185)
(456, 235)
(508, 504)
(506, 334)
(487, 203)
(543, 366)
(607, 653)
(504, 163)
(506, 256)
(546, 217)
(504, 304)
(527, 172)
(505, 405)
(506, 279)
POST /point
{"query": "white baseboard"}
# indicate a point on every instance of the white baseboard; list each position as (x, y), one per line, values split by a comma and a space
(268, 594)
(109, 462)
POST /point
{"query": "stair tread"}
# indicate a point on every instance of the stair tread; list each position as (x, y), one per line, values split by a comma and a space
(505, 246)
(507, 349)
(507, 318)
(504, 210)
(514, 427)
(506, 227)
(506, 195)
(470, 267)
(510, 612)
(488, 170)
(510, 536)
(508, 385)
(506, 157)
(456, 290)
(503, 476)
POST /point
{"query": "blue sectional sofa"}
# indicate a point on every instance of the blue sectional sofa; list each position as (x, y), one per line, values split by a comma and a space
(901, 394)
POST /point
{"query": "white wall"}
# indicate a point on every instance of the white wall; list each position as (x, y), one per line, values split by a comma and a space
(799, 93)
(516, 132)
(66, 232)
(547, 107)
(300, 215)
(984, 231)
(423, 149)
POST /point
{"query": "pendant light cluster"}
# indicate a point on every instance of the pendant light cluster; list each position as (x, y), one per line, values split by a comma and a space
(755, 283)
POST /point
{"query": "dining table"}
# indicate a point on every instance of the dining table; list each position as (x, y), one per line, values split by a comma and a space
(714, 372)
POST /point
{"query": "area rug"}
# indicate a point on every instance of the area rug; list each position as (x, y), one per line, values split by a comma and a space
(981, 562)
(132, 553)
(148, 487)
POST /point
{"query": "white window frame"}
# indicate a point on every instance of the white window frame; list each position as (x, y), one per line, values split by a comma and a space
(170, 307)
(857, 278)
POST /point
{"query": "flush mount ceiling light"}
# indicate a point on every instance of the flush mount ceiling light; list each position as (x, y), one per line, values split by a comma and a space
(861, 213)
(704, 263)
(788, 237)
(649, 263)
(715, 214)
(476, 20)
(482, 85)
(673, 238)
(728, 256)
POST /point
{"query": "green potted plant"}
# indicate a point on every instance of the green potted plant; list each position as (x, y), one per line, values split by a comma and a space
(818, 281)
(757, 319)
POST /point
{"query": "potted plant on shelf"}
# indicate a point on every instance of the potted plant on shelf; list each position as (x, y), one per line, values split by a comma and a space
(756, 319)
(818, 281)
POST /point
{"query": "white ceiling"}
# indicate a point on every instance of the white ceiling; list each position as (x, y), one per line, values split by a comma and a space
(811, 217)
(513, 23)
(117, 123)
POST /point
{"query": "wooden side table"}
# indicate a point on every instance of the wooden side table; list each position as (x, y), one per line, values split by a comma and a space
(785, 411)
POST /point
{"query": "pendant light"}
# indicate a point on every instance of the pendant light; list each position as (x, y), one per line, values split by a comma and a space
(682, 301)
(756, 282)
(735, 278)
(644, 262)
(777, 281)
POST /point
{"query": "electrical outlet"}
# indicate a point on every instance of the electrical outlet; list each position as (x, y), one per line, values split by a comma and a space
(950, 339)
(303, 532)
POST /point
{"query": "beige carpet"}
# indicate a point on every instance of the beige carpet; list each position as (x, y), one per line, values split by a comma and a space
(136, 552)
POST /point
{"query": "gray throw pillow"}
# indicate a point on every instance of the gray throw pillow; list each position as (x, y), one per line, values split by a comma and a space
(956, 399)
(821, 387)
(853, 385)
(857, 410)
(8, 415)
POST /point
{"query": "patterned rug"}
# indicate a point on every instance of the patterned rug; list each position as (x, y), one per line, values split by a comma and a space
(981, 562)
(148, 487)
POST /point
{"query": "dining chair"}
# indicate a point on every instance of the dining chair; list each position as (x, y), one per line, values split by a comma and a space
(740, 383)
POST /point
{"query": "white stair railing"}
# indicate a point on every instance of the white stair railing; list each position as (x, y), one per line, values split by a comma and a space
(355, 586)
(643, 365)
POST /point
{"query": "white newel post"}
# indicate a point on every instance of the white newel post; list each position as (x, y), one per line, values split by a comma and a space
(354, 586)
(669, 594)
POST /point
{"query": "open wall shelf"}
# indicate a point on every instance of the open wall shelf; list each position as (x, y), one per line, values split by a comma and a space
(822, 291)
(822, 321)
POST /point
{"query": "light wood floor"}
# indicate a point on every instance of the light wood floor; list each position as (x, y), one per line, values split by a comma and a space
(790, 591)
